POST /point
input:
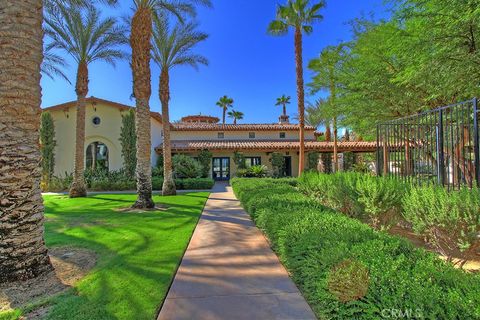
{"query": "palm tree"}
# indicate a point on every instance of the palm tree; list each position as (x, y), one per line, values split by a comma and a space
(87, 38)
(283, 101)
(140, 41)
(53, 64)
(225, 103)
(172, 48)
(299, 15)
(235, 115)
(23, 254)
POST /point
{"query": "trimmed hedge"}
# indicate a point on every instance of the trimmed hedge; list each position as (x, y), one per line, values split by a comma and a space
(315, 242)
(185, 184)
(114, 181)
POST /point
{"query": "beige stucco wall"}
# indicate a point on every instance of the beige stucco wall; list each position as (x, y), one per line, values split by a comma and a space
(108, 132)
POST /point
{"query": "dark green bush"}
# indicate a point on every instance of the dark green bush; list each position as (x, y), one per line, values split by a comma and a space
(185, 167)
(312, 241)
(117, 181)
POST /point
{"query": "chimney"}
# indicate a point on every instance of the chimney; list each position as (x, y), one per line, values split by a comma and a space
(284, 119)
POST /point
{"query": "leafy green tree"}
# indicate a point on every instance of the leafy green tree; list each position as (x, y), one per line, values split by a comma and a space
(225, 102)
(128, 141)
(87, 38)
(173, 47)
(299, 15)
(235, 115)
(47, 147)
(327, 69)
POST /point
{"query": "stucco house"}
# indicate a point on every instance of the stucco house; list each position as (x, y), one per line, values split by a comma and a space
(189, 136)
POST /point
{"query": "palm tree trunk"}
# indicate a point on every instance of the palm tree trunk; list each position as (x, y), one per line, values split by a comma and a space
(78, 189)
(301, 97)
(224, 111)
(168, 188)
(328, 132)
(234, 120)
(23, 254)
(140, 42)
(284, 110)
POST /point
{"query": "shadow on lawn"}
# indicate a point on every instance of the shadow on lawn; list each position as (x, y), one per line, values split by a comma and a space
(136, 261)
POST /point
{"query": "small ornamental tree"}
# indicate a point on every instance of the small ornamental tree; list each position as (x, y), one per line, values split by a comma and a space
(205, 158)
(239, 160)
(312, 163)
(47, 143)
(128, 141)
(278, 163)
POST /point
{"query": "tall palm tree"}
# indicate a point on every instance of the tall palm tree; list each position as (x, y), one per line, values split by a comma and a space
(283, 101)
(235, 115)
(140, 41)
(299, 15)
(172, 48)
(23, 254)
(225, 102)
(87, 38)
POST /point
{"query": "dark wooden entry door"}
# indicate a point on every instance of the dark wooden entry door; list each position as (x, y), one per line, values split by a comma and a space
(221, 169)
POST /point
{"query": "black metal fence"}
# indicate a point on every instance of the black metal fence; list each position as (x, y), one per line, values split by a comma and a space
(437, 146)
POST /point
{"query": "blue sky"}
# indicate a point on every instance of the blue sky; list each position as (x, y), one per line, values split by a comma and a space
(245, 62)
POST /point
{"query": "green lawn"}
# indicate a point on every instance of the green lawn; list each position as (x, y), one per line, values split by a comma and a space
(138, 253)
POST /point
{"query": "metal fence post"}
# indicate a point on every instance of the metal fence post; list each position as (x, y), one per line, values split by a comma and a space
(476, 147)
(440, 147)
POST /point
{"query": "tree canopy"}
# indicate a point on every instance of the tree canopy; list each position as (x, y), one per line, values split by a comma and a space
(426, 55)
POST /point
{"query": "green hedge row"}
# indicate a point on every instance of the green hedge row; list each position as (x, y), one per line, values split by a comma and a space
(124, 184)
(327, 253)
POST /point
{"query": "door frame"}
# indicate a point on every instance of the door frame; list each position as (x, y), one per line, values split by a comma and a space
(222, 169)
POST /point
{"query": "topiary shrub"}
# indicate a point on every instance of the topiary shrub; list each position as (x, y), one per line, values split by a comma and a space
(186, 167)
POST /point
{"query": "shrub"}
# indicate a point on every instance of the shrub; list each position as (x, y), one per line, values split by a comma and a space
(47, 148)
(259, 171)
(128, 141)
(278, 164)
(312, 161)
(186, 167)
(375, 200)
(450, 220)
(239, 160)
(205, 159)
(316, 241)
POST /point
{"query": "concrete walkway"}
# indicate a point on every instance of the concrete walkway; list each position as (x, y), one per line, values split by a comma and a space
(230, 272)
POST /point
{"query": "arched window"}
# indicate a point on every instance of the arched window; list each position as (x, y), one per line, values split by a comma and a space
(97, 156)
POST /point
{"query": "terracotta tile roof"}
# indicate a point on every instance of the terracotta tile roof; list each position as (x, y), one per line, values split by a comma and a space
(93, 100)
(267, 145)
(184, 126)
